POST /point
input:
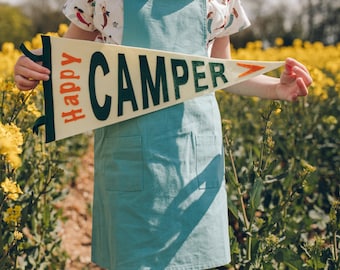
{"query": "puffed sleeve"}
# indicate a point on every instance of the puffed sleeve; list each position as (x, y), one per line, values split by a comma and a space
(80, 12)
(225, 17)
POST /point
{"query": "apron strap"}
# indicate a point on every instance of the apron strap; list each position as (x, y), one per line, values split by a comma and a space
(158, 24)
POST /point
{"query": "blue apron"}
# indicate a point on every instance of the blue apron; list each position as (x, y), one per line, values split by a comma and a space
(160, 199)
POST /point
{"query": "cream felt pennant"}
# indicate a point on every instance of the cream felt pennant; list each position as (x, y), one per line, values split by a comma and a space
(93, 85)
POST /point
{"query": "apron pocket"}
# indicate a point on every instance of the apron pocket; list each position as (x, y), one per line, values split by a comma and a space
(209, 161)
(123, 164)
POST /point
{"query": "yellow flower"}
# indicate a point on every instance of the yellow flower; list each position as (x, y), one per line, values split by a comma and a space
(258, 44)
(12, 189)
(272, 240)
(33, 109)
(297, 43)
(7, 48)
(13, 215)
(62, 29)
(307, 167)
(278, 111)
(36, 42)
(227, 124)
(12, 132)
(268, 130)
(8, 186)
(279, 42)
(270, 142)
(18, 235)
(307, 44)
(330, 120)
(11, 140)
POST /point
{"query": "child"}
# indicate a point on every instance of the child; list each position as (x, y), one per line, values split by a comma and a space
(159, 196)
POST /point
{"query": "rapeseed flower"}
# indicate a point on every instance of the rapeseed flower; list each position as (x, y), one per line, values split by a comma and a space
(279, 42)
(272, 240)
(18, 235)
(13, 215)
(297, 43)
(11, 189)
(62, 29)
(307, 167)
(31, 108)
(330, 120)
(36, 42)
(7, 48)
(11, 140)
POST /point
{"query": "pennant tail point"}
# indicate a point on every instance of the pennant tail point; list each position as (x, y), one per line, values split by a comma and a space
(30, 55)
(38, 123)
(251, 69)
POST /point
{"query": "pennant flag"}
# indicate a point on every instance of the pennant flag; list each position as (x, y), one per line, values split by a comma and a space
(93, 85)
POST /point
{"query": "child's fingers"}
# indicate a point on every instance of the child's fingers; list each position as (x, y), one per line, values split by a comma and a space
(31, 74)
(25, 67)
(302, 87)
(303, 74)
(27, 73)
(28, 85)
(25, 84)
(291, 63)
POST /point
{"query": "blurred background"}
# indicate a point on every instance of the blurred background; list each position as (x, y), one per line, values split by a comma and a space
(312, 20)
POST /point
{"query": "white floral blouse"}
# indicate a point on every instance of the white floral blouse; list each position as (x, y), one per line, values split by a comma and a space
(224, 18)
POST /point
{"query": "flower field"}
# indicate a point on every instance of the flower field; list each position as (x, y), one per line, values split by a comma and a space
(282, 169)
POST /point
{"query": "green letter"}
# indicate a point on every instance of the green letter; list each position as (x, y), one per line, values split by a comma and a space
(198, 75)
(101, 112)
(219, 73)
(125, 94)
(146, 81)
(179, 80)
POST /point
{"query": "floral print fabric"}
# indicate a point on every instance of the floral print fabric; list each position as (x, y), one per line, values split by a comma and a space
(224, 18)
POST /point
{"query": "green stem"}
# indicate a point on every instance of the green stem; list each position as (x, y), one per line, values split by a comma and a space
(239, 191)
(3, 202)
(335, 246)
(16, 111)
(2, 106)
(263, 146)
(240, 197)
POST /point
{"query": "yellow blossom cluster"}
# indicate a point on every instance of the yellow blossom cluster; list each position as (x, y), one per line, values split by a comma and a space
(330, 120)
(11, 141)
(272, 240)
(18, 235)
(269, 136)
(11, 189)
(307, 167)
(13, 215)
(32, 109)
(8, 56)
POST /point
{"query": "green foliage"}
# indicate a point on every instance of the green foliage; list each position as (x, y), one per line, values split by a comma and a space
(282, 171)
(15, 26)
(32, 186)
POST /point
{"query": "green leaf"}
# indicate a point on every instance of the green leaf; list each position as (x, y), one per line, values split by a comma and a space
(289, 258)
(46, 217)
(256, 195)
(232, 207)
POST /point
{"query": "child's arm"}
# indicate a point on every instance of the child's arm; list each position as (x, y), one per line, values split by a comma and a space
(27, 74)
(293, 81)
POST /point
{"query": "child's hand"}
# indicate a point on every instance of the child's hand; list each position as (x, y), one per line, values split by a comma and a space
(27, 74)
(294, 81)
